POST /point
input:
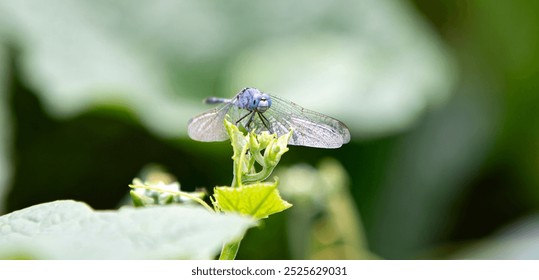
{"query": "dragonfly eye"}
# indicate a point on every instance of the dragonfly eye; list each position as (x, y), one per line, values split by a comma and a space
(263, 104)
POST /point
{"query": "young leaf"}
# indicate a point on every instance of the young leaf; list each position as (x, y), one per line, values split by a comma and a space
(258, 200)
(248, 149)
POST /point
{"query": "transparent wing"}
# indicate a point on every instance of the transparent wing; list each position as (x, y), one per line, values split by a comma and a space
(208, 126)
(311, 129)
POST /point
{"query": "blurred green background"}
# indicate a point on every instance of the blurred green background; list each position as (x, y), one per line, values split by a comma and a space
(441, 99)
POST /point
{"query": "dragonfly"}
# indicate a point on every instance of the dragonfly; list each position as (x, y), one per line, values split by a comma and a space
(257, 111)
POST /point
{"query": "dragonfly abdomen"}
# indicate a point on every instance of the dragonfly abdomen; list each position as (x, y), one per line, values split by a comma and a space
(216, 100)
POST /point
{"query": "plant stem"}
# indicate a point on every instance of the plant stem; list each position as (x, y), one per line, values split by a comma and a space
(229, 250)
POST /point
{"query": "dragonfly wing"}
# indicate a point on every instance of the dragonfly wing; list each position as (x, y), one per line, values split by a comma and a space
(209, 126)
(310, 128)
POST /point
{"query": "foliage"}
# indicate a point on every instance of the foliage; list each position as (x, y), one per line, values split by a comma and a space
(72, 230)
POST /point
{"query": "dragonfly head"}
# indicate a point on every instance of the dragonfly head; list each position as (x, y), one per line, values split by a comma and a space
(254, 100)
(264, 102)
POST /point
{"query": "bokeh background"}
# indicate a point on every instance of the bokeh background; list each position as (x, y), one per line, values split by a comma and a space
(441, 98)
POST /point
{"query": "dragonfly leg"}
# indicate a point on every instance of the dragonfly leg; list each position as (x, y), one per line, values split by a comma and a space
(265, 121)
(238, 121)
(248, 124)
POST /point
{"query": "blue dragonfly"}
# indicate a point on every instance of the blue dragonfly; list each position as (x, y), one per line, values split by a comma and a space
(257, 111)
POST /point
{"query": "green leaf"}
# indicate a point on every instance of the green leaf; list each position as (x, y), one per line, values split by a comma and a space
(257, 200)
(72, 230)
